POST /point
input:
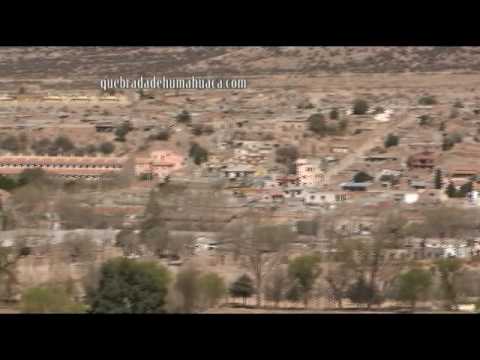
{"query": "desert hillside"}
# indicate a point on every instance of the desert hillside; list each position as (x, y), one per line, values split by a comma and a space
(85, 62)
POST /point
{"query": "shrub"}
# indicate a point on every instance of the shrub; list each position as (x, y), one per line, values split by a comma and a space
(107, 148)
(362, 176)
(184, 117)
(360, 107)
(198, 154)
(317, 124)
(11, 144)
(391, 140)
(334, 114)
(427, 100)
(49, 299)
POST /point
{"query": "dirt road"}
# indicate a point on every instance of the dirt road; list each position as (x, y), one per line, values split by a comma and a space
(376, 139)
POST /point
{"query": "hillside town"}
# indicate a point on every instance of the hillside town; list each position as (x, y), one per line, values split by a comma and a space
(296, 197)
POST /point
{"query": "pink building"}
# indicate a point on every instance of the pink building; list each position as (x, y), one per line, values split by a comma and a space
(159, 164)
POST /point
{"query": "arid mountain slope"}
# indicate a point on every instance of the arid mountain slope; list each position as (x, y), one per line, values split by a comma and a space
(85, 62)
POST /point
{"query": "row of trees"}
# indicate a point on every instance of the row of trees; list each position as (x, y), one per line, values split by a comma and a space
(61, 145)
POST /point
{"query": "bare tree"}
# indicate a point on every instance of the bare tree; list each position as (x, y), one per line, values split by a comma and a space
(261, 247)
(277, 286)
(79, 248)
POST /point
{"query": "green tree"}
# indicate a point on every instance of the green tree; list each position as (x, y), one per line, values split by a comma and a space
(465, 189)
(391, 140)
(107, 147)
(449, 270)
(242, 287)
(317, 124)
(451, 190)
(7, 183)
(49, 300)
(362, 176)
(305, 270)
(438, 180)
(198, 154)
(122, 131)
(213, 288)
(128, 286)
(360, 107)
(413, 285)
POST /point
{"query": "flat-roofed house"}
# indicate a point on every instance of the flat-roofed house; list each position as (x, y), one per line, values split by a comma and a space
(159, 164)
(318, 197)
(238, 171)
(310, 174)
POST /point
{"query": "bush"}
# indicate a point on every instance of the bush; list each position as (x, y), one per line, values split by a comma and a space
(425, 120)
(7, 183)
(360, 107)
(427, 100)
(49, 299)
(90, 149)
(307, 227)
(317, 124)
(184, 117)
(63, 144)
(198, 154)
(11, 144)
(162, 135)
(122, 131)
(286, 154)
(334, 114)
(107, 148)
(362, 176)
(41, 146)
(391, 140)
